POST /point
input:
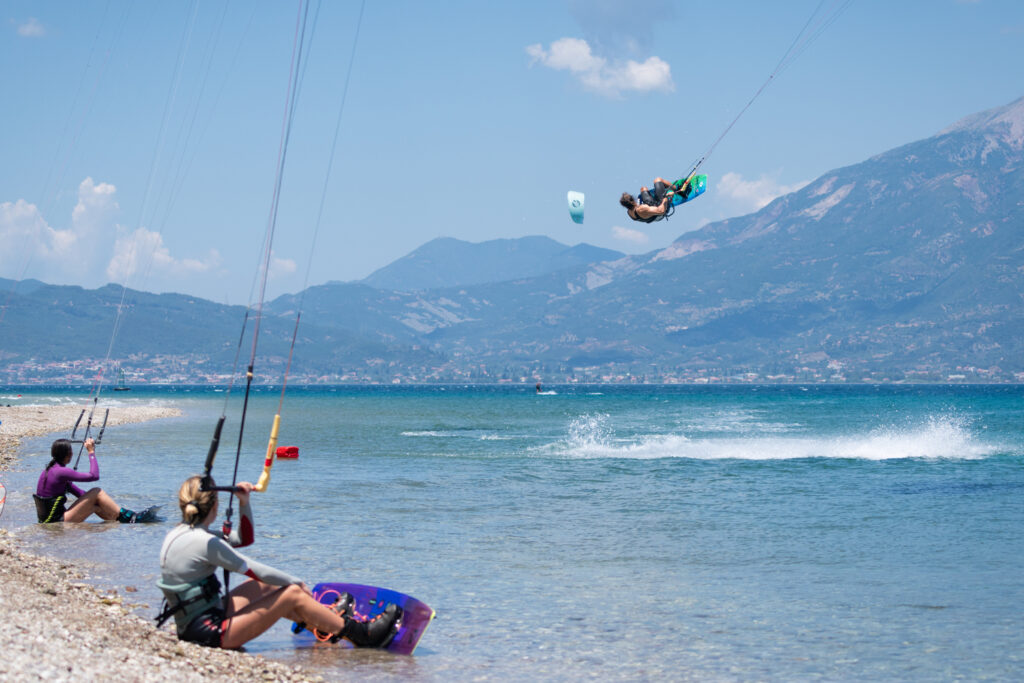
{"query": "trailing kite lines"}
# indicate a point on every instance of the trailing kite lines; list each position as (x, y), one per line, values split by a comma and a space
(811, 31)
(129, 267)
(300, 55)
(268, 462)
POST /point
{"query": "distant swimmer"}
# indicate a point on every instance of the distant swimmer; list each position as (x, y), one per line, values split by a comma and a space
(57, 481)
(650, 206)
(203, 614)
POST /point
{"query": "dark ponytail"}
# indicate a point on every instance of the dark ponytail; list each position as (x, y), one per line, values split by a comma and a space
(59, 452)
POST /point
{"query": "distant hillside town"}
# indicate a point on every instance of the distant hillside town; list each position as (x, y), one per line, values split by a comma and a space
(186, 370)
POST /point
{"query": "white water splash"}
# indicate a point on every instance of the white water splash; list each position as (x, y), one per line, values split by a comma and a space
(937, 438)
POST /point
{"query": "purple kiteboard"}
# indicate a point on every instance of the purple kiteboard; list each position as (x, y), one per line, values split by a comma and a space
(371, 601)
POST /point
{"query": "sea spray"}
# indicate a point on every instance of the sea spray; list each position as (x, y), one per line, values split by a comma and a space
(938, 436)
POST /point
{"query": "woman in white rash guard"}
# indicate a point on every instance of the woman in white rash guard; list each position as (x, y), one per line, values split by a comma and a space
(190, 557)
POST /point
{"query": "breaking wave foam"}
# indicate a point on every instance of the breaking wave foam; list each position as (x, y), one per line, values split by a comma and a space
(938, 438)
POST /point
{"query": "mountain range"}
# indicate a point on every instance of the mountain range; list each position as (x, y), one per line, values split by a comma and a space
(910, 263)
(448, 262)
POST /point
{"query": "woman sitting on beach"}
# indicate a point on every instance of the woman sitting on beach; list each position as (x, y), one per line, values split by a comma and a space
(189, 558)
(56, 482)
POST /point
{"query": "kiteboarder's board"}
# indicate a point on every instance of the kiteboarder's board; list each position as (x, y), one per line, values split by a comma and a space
(576, 206)
(697, 187)
(371, 601)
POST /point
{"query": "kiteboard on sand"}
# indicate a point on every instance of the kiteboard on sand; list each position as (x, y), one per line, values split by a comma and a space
(576, 206)
(369, 602)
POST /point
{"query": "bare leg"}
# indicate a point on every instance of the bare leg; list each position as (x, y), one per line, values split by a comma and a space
(254, 607)
(95, 501)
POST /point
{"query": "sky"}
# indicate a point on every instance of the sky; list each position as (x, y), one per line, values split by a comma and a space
(140, 140)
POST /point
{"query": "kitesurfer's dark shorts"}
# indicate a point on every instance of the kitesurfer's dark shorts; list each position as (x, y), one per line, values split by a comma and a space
(207, 629)
(654, 197)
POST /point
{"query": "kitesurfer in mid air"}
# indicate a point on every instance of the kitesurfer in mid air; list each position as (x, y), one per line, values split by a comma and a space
(652, 206)
(57, 481)
(190, 556)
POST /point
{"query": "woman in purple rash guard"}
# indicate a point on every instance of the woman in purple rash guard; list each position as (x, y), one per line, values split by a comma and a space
(57, 481)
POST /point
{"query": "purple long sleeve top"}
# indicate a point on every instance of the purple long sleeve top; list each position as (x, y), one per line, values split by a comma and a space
(58, 479)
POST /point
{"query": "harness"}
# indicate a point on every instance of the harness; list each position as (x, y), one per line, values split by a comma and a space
(50, 509)
(193, 598)
(635, 216)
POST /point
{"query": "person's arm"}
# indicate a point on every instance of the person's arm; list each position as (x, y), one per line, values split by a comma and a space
(645, 211)
(223, 555)
(67, 474)
(244, 533)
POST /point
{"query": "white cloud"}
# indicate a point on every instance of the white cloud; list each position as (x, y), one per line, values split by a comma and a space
(629, 235)
(599, 74)
(27, 238)
(92, 221)
(138, 252)
(94, 203)
(281, 267)
(95, 249)
(751, 195)
(31, 29)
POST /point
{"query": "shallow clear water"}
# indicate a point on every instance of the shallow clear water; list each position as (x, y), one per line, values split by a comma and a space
(770, 533)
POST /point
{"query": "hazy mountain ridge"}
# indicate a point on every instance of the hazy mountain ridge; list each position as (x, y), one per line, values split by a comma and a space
(898, 259)
(913, 258)
(449, 262)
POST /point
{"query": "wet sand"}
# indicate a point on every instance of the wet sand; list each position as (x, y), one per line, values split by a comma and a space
(55, 627)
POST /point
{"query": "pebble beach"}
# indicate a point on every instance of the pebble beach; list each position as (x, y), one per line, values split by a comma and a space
(56, 627)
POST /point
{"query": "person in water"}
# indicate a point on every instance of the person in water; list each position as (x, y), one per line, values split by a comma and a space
(192, 553)
(652, 206)
(57, 481)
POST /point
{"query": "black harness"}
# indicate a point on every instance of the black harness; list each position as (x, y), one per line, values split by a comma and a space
(206, 591)
(50, 509)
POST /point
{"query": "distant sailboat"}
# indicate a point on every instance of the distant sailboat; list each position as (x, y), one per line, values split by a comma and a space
(120, 381)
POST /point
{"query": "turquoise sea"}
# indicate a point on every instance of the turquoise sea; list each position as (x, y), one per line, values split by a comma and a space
(611, 532)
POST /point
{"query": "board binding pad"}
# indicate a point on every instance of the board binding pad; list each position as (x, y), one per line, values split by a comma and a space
(576, 206)
(697, 185)
(371, 601)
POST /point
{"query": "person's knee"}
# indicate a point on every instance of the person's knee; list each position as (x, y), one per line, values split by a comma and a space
(294, 593)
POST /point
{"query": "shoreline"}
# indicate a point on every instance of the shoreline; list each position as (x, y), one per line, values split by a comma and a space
(53, 626)
(20, 422)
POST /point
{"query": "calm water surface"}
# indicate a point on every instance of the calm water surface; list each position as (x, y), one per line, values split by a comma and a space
(723, 533)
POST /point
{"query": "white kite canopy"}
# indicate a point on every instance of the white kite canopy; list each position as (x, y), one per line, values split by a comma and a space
(576, 206)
